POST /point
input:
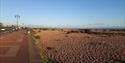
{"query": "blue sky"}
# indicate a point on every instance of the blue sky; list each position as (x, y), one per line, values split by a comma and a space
(70, 13)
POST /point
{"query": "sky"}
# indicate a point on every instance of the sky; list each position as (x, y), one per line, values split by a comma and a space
(64, 13)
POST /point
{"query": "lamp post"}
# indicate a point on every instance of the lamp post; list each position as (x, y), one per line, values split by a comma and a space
(17, 18)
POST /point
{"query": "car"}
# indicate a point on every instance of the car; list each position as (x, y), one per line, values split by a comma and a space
(2, 29)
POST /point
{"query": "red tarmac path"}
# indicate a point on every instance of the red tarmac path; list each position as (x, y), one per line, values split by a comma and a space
(17, 47)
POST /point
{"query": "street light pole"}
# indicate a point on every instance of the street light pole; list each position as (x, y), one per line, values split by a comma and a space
(17, 18)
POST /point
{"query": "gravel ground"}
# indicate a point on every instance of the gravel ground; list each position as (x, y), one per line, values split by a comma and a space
(82, 48)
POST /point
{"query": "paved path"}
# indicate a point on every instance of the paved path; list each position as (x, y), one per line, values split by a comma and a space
(17, 47)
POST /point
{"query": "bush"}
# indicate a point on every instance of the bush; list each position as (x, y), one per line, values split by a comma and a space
(37, 37)
(39, 31)
(50, 48)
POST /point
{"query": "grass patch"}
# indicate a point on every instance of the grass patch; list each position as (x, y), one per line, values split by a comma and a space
(43, 56)
(45, 59)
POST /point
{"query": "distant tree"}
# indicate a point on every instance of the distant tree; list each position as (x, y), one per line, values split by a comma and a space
(87, 30)
(1, 24)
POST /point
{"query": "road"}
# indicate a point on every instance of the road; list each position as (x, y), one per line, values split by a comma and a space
(18, 47)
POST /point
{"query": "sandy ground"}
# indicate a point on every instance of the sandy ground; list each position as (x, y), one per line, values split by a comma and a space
(82, 47)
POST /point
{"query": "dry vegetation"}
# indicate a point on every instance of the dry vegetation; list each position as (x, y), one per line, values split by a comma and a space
(77, 46)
